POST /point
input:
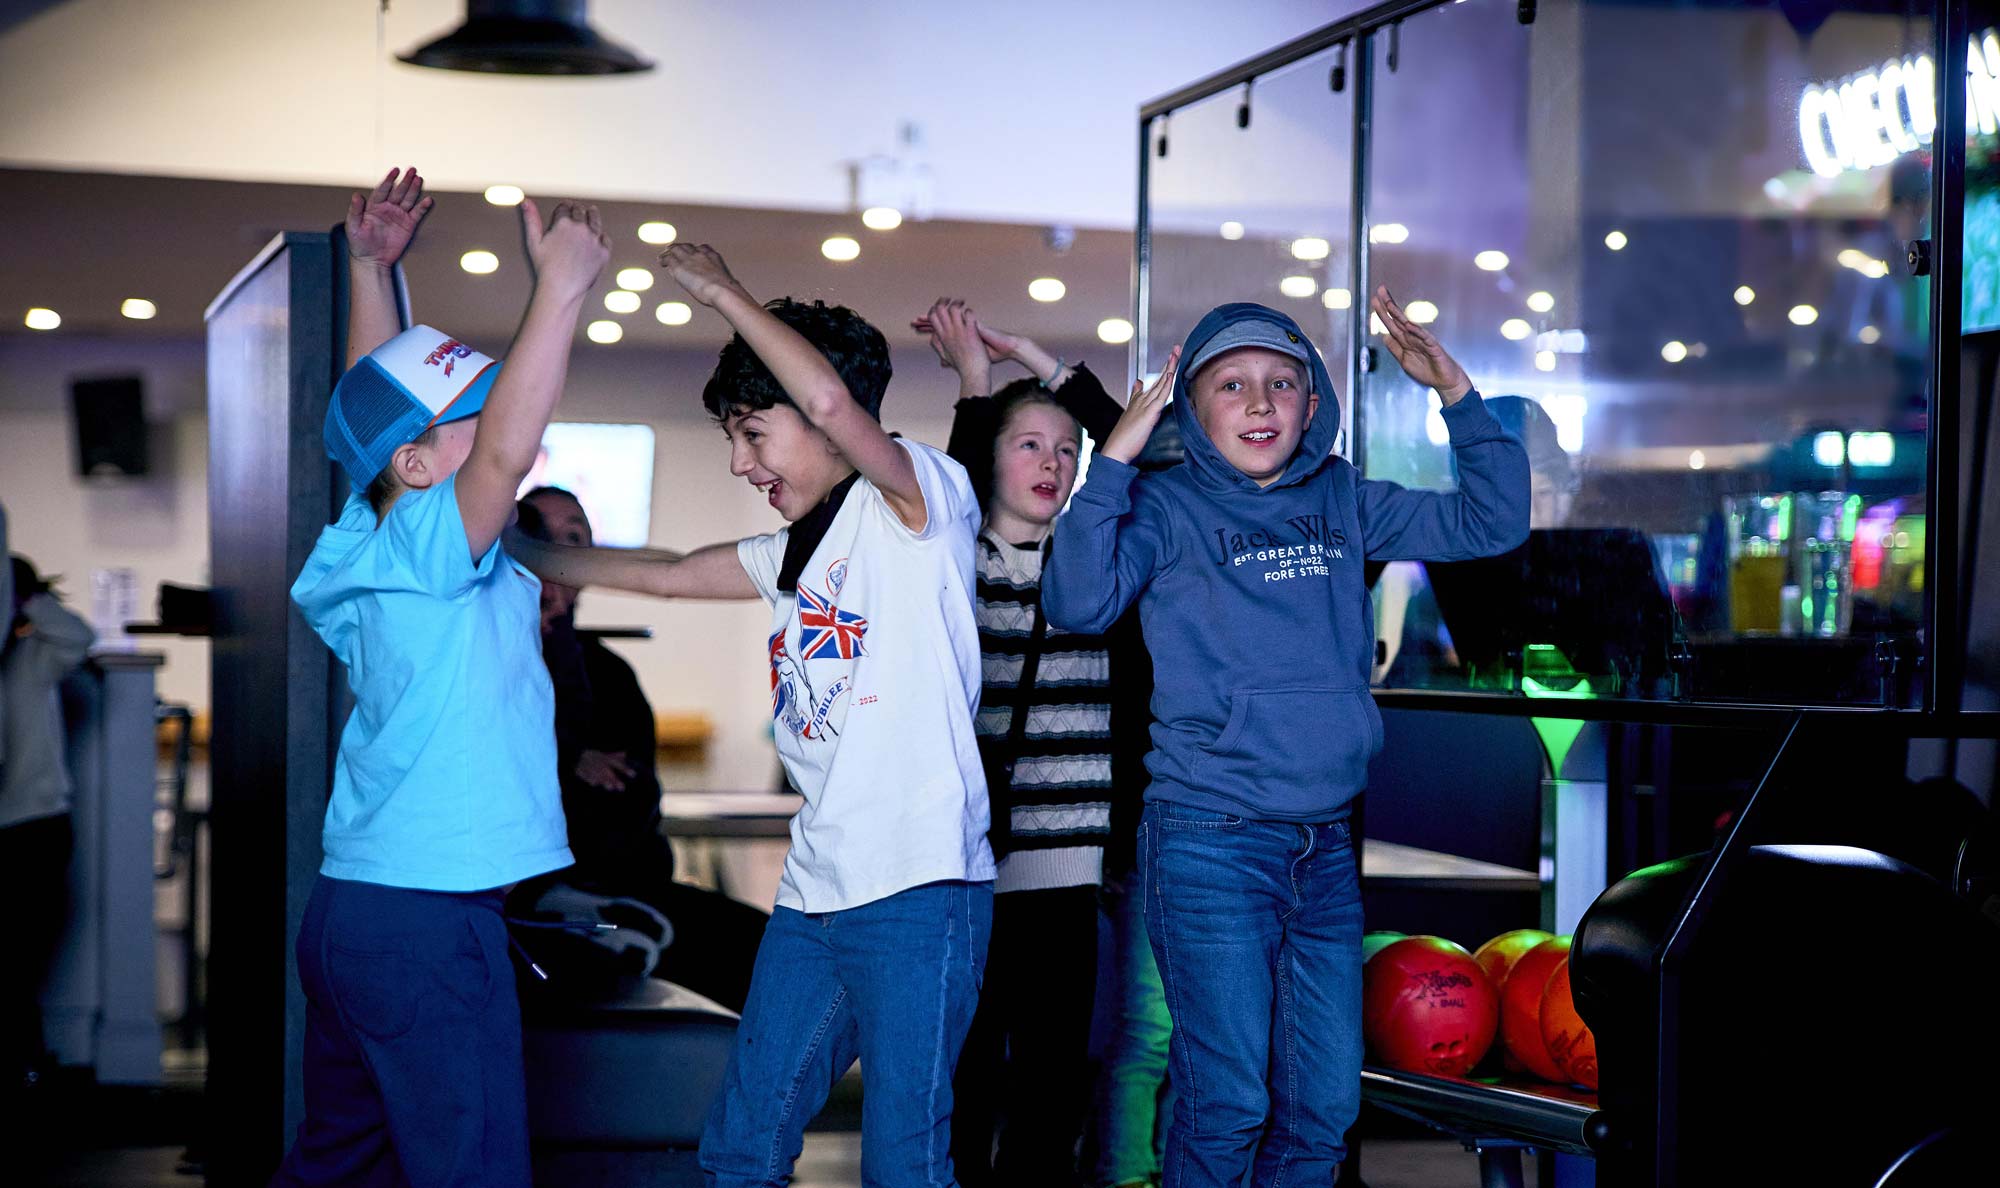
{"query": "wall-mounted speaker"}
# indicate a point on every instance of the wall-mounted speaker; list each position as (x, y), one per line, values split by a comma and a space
(110, 420)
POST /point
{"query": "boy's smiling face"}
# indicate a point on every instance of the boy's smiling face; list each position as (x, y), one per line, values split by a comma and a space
(1254, 404)
(781, 454)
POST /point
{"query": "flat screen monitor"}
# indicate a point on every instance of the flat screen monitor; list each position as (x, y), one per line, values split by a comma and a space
(609, 468)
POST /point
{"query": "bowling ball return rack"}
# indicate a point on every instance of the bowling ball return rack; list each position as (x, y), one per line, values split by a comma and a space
(1652, 998)
(1497, 1118)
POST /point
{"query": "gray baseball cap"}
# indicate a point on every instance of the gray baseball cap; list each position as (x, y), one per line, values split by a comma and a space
(1252, 332)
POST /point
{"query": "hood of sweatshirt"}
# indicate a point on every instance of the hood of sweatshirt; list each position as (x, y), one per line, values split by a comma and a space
(1204, 460)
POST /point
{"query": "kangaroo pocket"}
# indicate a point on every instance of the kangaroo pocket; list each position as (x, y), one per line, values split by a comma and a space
(1294, 750)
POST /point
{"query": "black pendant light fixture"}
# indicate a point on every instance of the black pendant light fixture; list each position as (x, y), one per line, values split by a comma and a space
(527, 37)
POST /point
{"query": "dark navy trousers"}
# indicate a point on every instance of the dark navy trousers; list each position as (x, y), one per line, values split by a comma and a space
(413, 1042)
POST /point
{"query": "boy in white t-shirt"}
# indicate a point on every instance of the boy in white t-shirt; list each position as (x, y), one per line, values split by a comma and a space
(879, 939)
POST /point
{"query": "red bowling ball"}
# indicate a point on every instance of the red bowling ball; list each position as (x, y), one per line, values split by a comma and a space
(1427, 1007)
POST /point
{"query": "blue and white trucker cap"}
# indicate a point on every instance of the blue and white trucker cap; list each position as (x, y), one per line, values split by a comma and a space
(420, 378)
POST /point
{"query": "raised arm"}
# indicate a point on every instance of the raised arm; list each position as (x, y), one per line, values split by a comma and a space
(712, 572)
(1104, 552)
(1488, 514)
(567, 258)
(812, 383)
(380, 228)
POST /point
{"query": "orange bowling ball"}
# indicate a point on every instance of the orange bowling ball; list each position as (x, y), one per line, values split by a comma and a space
(1427, 1007)
(1521, 1008)
(1568, 1039)
(1497, 958)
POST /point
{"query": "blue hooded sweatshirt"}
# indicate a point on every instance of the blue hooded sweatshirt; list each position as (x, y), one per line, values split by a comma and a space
(1253, 600)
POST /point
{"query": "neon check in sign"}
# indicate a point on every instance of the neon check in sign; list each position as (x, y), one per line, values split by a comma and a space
(1870, 118)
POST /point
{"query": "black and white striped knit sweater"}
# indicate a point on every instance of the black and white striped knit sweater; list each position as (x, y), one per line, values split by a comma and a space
(1059, 804)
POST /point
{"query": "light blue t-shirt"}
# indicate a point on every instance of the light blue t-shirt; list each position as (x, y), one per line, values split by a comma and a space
(446, 777)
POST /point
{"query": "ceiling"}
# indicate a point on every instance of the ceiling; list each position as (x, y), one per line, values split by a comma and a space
(85, 242)
(1026, 111)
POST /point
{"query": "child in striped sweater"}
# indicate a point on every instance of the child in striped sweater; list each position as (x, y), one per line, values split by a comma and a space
(1045, 735)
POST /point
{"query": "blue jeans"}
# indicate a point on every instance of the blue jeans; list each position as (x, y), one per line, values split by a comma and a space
(1257, 929)
(1133, 1097)
(893, 983)
(413, 1073)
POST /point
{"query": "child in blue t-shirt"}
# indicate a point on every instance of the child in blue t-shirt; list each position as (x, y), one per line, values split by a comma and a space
(444, 790)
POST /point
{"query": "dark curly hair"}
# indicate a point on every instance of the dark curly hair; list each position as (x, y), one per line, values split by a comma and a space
(857, 350)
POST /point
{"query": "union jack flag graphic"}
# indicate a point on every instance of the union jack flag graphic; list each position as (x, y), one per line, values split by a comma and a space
(825, 631)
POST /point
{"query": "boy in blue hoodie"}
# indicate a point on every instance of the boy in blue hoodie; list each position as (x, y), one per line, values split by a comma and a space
(1246, 563)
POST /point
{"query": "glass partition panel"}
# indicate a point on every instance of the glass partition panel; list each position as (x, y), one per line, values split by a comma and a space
(1668, 243)
(1256, 212)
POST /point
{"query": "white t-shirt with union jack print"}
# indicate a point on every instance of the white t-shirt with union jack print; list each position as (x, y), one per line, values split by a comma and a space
(875, 679)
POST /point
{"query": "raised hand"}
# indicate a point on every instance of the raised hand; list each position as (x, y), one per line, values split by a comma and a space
(1422, 356)
(1128, 438)
(571, 252)
(381, 225)
(999, 343)
(699, 269)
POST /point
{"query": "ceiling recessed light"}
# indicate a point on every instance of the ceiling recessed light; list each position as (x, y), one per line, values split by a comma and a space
(1616, 241)
(1515, 329)
(1114, 331)
(1541, 302)
(657, 233)
(1803, 315)
(621, 301)
(1423, 313)
(1388, 233)
(1310, 248)
(138, 309)
(1545, 360)
(1745, 294)
(1490, 261)
(1232, 230)
(881, 218)
(840, 248)
(504, 195)
(673, 313)
(604, 331)
(1869, 335)
(1674, 352)
(1047, 288)
(1336, 298)
(42, 319)
(1697, 460)
(636, 279)
(479, 262)
(1298, 286)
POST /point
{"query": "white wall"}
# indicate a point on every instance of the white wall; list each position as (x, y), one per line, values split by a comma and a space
(156, 526)
(706, 657)
(1028, 107)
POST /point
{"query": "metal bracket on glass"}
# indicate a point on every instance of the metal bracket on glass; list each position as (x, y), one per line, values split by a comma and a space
(1243, 108)
(1887, 660)
(1337, 79)
(1524, 11)
(1163, 137)
(1395, 45)
(1366, 359)
(1919, 257)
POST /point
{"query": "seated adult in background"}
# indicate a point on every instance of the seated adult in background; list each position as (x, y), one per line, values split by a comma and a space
(611, 797)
